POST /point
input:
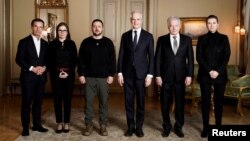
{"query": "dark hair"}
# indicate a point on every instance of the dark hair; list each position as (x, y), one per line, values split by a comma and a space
(67, 27)
(212, 17)
(97, 20)
(37, 20)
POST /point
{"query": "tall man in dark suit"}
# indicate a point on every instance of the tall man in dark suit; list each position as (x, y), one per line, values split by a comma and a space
(174, 64)
(30, 57)
(135, 71)
(212, 54)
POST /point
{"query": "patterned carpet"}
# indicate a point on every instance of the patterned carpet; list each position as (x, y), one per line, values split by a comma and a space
(116, 128)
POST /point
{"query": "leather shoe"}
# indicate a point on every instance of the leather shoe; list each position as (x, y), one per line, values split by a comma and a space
(39, 129)
(179, 133)
(166, 132)
(204, 133)
(25, 132)
(129, 132)
(139, 133)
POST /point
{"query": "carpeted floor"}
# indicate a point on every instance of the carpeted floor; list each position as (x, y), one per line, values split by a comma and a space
(116, 128)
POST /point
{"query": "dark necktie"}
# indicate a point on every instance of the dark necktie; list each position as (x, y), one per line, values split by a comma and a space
(135, 39)
(175, 46)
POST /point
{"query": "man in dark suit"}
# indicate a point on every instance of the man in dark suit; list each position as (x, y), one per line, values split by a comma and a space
(212, 54)
(135, 71)
(174, 64)
(30, 57)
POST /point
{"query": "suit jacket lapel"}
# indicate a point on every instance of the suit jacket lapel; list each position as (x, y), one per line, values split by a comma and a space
(130, 39)
(42, 47)
(180, 44)
(168, 43)
(33, 47)
(141, 38)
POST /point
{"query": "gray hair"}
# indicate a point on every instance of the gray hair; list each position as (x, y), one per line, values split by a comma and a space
(172, 18)
(136, 11)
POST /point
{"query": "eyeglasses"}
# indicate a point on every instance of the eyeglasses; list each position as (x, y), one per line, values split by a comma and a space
(62, 30)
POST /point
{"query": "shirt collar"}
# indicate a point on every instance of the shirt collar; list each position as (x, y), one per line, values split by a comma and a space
(35, 38)
(177, 36)
(138, 30)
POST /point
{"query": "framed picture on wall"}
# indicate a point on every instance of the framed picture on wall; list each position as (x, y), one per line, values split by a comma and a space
(52, 23)
(193, 27)
(52, 12)
(51, 2)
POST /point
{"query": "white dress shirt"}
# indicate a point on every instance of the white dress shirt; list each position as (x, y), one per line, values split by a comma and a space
(37, 43)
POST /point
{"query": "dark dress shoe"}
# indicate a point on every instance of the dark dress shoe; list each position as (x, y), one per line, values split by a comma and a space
(59, 131)
(179, 133)
(39, 129)
(166, 132)
(139, 133)
(65, 130)
(204, 133)
(25, 132)
(129, 132)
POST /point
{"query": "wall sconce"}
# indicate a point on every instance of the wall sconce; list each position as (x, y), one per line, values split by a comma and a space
(48, 30)
(239, 30)
(242, 31)
(46, 34)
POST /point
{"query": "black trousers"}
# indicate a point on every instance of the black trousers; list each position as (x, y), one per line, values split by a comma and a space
(32, 93)
(218, 95)
(62, 91)
(134, 89)
(168, 91)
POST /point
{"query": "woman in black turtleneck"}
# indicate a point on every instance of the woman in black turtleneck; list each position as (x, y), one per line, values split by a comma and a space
(212, 54)
(62, 55)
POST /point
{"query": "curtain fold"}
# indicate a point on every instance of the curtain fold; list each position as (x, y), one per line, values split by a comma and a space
(247, 36)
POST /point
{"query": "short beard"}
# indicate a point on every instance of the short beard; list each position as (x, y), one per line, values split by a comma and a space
(97, 34)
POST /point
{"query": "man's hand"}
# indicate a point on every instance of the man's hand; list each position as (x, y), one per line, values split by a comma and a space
(38, 70)
(148, 81)
(110, 80)
(158, 81)
(120, 80)
(188, 81)
(82, 79)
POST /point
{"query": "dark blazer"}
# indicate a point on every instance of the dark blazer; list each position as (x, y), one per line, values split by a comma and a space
(68, 55)
(142, 57)
(26, 57)
(174, 68)
(213, 55)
